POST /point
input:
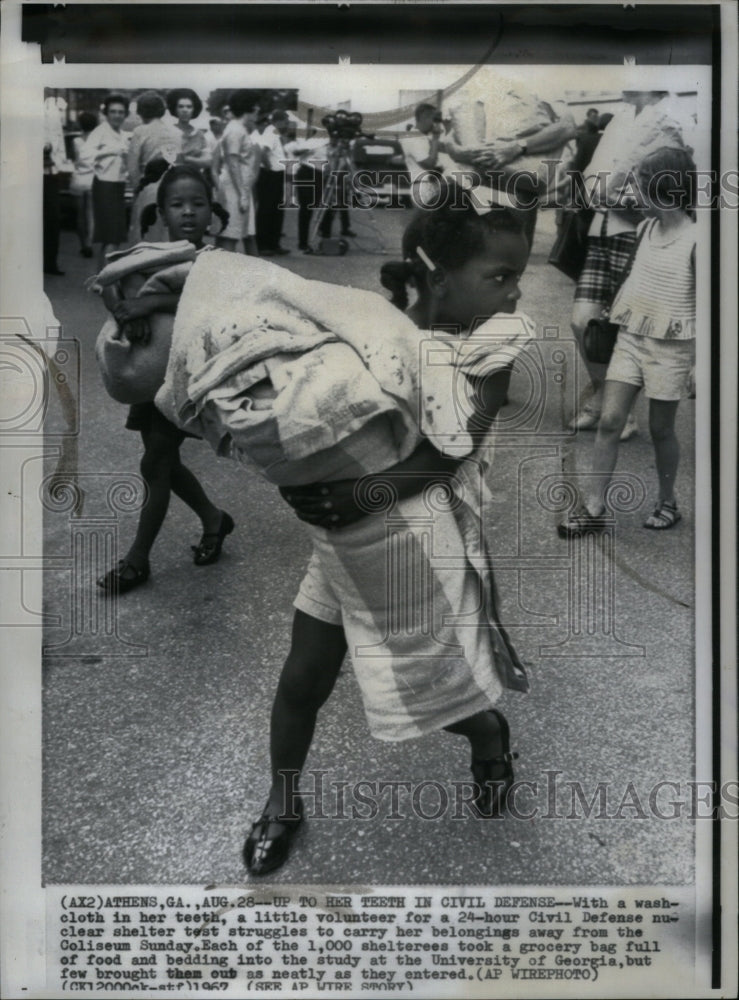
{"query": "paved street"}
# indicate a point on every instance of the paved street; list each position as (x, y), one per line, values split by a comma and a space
(156, 730)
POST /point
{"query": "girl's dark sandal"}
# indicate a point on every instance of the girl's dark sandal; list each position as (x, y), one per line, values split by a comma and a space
(208, 549)
(123, 577)
(494, 776)
(263, 854)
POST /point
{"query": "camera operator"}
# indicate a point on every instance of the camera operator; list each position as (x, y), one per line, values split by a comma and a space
(424, 154)
(424, 149)
(322, 178)
(337, 195)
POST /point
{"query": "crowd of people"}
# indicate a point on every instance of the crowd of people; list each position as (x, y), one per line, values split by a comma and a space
(248, 155)
(480, 167)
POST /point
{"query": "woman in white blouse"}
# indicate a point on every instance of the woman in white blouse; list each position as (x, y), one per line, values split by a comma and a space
(109, 147)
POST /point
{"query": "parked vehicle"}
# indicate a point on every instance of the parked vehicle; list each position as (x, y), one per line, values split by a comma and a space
(380, 168)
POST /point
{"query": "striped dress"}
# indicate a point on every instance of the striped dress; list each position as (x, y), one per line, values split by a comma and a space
(657, 299)
(415, 590)
(419, 608)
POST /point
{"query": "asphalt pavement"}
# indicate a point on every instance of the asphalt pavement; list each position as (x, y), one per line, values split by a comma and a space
(156, 710)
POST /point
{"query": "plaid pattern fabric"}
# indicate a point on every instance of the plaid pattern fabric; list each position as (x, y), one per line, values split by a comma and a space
(605, 263)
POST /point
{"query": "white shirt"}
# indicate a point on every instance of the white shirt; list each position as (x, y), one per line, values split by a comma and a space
(490, 107)
(271, 141)
(416, 147)
(313, 151)
(109, 149)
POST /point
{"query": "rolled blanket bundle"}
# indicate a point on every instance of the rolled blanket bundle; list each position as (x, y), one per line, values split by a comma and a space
(304, 380)
(133, 371)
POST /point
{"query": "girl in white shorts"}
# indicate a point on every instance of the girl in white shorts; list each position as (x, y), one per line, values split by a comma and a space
(655, 347)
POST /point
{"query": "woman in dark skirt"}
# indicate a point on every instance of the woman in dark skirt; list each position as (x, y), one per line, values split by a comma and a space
(109, 146)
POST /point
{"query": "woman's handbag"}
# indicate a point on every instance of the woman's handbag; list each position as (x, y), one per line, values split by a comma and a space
(600, 334)
(571, 245)
(599, 339)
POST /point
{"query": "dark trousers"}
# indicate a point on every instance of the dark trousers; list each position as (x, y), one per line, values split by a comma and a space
(308, 187)
(337, 201)
(270, 193)
(51, 221)
(325, 227)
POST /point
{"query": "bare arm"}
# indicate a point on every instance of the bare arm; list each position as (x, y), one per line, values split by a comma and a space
(132, 314)
(489, 394)
(133, 155)
(202, 159)
(335, 504)
(504, 151)
(338, 504)
(253, 164)
(145, 305)
(435, 146)
(551, 136)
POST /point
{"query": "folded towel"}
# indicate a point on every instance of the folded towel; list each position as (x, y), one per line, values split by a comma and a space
(348, 391)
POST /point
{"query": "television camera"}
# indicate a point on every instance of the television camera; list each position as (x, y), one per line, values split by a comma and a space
(343, 125)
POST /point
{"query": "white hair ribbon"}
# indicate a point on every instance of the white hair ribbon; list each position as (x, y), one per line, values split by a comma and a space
(425, 258)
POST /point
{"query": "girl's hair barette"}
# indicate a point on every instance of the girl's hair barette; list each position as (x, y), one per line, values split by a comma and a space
(425, 258)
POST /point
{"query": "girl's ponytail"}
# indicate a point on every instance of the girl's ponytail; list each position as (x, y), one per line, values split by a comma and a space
(395, 276)
(222, 214)
(147, 218)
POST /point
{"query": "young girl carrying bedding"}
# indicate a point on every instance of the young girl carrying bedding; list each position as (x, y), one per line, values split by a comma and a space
(655, 346)
(305, 381)
(448, 664)
(185, 206)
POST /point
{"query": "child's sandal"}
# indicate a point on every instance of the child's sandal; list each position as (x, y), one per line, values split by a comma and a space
(665, 515)
(208, 549)
(580, 522)
(123, 577)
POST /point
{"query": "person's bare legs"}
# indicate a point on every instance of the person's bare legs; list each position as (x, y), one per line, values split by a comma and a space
(308, 676)
(163, 473)
(160, 456)
(618, 398)
(587, 416)
(83, 207)
(666, 446)
(489, 739)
